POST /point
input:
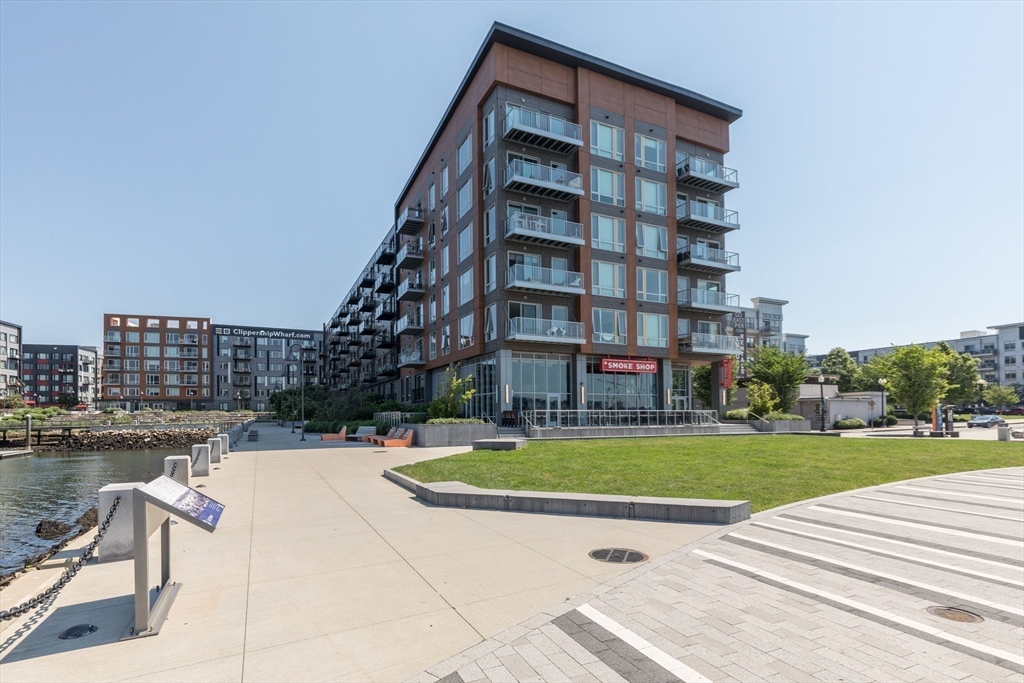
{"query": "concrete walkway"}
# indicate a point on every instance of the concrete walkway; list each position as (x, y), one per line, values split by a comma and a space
(835, 589)
(320, 570)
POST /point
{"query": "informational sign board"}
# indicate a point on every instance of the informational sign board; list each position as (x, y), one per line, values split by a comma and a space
(727, 373)
(175, 497)
(627, 365)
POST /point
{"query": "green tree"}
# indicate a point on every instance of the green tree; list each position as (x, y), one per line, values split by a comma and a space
(962, 375)
(917, 378)
(762, 398)
(840, 363)
(67, 400)
(700, 381)
(783, 372)
(868, 374)
(452, 394)
(1019, 388)
(998, 395)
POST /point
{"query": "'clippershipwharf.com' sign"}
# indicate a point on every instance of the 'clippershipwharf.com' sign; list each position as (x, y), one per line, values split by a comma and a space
(269, 333)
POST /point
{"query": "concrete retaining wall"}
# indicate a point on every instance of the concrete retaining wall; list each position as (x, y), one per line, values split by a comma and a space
(457, 494)
(782, 425)
(451, 435)
(603, 432)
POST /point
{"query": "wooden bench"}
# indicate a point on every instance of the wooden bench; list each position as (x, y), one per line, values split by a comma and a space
(361, 432)
(340, 436)
(404, 442)
(395, 433)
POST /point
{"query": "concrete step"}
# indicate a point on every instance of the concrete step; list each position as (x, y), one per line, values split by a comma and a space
(737, 429)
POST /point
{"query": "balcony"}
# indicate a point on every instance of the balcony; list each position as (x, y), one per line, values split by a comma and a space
(367, 328)
(353, 298)
(705, 174)
(548, 331)
(241, 382)
(706, 217)
(708, 300)
(543, 181)
(409, 324)
(367, 352)
(410, 289)
(384, 340)
(385, 255)
(354, 341)
(367, 304)
(243, 368)
(242, 343)
(411, 359)
(335, 324)
(410, 221)
(410, 255)
(386, 368)
(342, 332)
(367, 280)
(242, 355)
(541, 230)
(385, 311)
(385, 283)
(523, 278)
(353, 361)
(112, 365)
(530, 127)
(717, 344)
(700, 257)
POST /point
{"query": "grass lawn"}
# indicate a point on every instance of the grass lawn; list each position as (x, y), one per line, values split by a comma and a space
(766, 470)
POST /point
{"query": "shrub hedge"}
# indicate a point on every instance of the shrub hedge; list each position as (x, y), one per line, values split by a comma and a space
(738, 414)
(850, 423)
(455, 421)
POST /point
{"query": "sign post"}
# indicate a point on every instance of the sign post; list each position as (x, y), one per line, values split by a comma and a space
(152, 507)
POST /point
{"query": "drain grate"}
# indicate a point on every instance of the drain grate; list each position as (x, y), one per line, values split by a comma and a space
(955, 614)
(78, 631)
(618, 555)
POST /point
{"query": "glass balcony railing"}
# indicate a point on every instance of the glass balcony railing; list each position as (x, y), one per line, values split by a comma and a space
(714, 343)
(521, 276)
(410, 220)
(543, 229)
(708, 216)
(539, 329)
(410, 358)
(704, 173)
(725, 260)
(409, 323)
(708, 298)
(543, 180)
(542, 130)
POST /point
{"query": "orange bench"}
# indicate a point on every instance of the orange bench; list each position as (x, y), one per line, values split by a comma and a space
(404, 442)
(340, 436)
(373, 438)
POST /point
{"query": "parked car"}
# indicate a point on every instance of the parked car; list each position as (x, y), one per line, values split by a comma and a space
(968, 410)
(1016, 410)
(987, 421)
(986, 411)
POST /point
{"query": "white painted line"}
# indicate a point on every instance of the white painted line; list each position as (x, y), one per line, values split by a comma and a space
(959, 494)
(1001, 480)
(885, 575)
(963, 481)
(936, 507)
(918, 525)
(887, 553)
(895, 618)
(938, 551)
(653, 652)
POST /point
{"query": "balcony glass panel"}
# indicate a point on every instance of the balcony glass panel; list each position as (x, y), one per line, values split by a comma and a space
(543, 226)
(712, 342)
(535, 276)
(555, 330)
(706, 168)
(708, 297)
(542, 122)
(704, 253)
(543, 174)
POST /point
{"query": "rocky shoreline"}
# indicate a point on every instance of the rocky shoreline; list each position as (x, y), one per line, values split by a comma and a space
(136, 439)
(85, 523)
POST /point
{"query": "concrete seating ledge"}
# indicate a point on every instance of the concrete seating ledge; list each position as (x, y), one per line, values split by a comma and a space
(694, 510)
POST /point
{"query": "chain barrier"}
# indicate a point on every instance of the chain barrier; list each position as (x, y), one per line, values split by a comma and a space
(174, 467)
(69, 573)
(195, 459)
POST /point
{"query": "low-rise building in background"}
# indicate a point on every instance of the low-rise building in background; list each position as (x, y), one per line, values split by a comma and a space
(10, 359)
(52, 371)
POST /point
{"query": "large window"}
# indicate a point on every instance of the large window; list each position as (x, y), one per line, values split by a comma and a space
(444, 181)
(609, 279)
(540, 382)
(651, 197)
(445, 300)
(446, 340)
(466, 287)
(431, 198)
(607, 186)
(465, 242)
(652, 285)
(620, 390)
(488, 124)
(444, 260)
(650, 153)
(488, 183)
(651, 240)
(489, 225)
(609, 326)
(465, 197)
(651, 329)
(466, 331)
(491, 323)
(465, 153)
(490, 273)
(607, 141)
(607, 233)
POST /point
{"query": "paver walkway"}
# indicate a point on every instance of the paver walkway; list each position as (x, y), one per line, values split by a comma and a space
(836, 589)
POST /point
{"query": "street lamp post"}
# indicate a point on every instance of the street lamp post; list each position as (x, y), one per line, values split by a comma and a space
(882, 381)
(302, 390)
(821, 389)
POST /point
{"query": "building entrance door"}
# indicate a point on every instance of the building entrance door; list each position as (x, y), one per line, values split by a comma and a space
(554, 412)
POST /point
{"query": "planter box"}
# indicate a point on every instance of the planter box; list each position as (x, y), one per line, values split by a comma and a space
(451, 435)
(776, 426)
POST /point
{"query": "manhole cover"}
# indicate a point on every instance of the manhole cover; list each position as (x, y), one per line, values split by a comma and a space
(78, 631)
(618, 555)
(955, 614)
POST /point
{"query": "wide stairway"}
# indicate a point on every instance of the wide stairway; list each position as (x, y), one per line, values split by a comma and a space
(511, 433)
(745, 428)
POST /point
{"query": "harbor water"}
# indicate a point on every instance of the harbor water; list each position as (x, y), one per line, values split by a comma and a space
(60, 486)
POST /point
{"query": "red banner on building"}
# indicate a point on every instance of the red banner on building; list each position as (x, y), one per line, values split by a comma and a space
(626, 365)
(727, 373)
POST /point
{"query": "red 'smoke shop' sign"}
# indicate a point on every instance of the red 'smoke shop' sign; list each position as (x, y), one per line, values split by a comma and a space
(626, 365)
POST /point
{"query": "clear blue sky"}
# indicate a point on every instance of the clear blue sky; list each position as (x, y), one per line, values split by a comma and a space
(242, 160)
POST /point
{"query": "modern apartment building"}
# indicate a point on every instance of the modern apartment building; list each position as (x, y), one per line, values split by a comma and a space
(154, 361)
(250, 363)
(1000, 352)
(562, 237)
(50, 371)
(762, 325)
(10, 359)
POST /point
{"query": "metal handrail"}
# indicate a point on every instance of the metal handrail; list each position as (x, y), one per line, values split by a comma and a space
(520, 272)
(544, 122)
(544, 174)
(638, 417)
(540, 327)
(705, 253)
(542, 224)
(707, 168)
(710, 211)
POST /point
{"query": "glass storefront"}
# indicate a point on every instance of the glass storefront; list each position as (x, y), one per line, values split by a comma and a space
(680, 395)
(484, 369)
(620, 390)
(540, 382)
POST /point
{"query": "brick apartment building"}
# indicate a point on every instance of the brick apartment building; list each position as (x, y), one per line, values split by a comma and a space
(562, 236)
